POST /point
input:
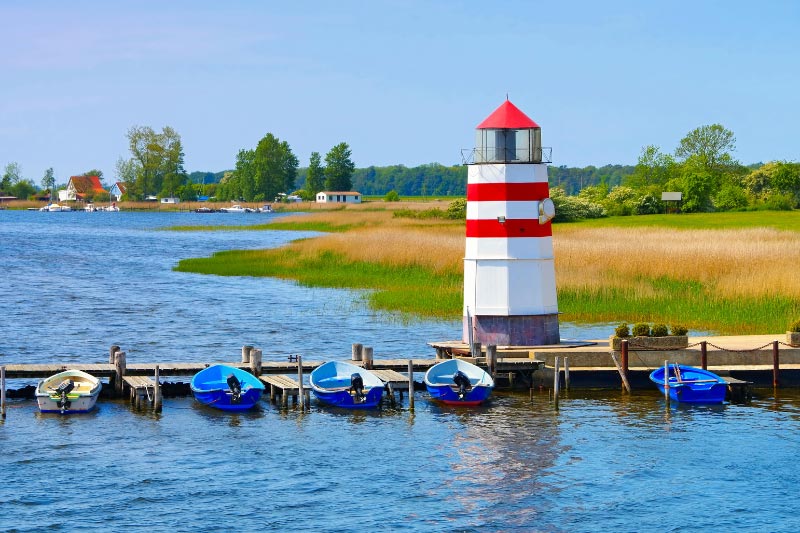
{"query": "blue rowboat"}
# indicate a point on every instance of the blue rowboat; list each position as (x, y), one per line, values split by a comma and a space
(689, 384)
(344, 384)
(226, 387)
(457, 382)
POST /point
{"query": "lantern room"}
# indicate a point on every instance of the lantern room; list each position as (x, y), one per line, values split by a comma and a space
(509, 136)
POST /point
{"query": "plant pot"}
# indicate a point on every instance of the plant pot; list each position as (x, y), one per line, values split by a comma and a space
(793, 337)
(671, 342)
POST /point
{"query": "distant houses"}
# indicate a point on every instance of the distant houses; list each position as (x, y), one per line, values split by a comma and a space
(117, 190)
(338, 197)
(81, 188)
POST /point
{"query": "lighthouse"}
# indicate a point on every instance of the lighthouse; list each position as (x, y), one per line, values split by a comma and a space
(509, 272)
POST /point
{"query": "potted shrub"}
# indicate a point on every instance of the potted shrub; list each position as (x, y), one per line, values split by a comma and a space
(793, 335)
(645, 337)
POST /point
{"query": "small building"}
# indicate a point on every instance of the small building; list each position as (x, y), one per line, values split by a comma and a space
(170, 200)
(117, 190)
(338, 197)
(81, 188)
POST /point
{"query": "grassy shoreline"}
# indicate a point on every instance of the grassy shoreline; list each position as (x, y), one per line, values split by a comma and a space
(737, 278)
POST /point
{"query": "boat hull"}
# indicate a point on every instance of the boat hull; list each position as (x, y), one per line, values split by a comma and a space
(331, 385)
(210, 387)
(441, 385)
(81, 399)
(691, 385)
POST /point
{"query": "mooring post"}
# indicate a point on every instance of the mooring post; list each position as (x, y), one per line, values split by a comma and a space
(357, 351)
(120, 367)
(566, 373)
(255, 361)
(704, 355)
(2, 391)
(666, 381)
(775, 365)
(111, 351)
(411, 384)
(246, 353)
(300, 392)
(491, 359)
(368, 357)
(157, 392)
(476, 349)
(556, 382)
(623, 352)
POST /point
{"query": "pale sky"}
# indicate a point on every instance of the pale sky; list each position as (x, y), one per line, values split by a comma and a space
(401, 81)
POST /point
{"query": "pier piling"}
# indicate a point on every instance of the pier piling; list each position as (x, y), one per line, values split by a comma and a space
(300, 391)
(120, 368)
(2, 391)
(704, 355)
(491, 359)
(255, 361)
(411, 384)
(157, 392)
(556, 382)
(246, 354)
(775, 365)
(368, 357)
(566, 373)
(357, 352)
(111, 351)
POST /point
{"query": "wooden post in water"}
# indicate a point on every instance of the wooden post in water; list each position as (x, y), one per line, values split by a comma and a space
(157, 393)
(775, 365)
(666, 381)
(475, 350)
(491, 359)
(300, 392)
(566, 373)
(111, 351)
(246, 353)
(623, 356)
(556, 382)
(357, 351)
(368, 357)
(704, 355)
(625, 385)
(3, 391)
(411, 384)
(120, 367)
(255, 361)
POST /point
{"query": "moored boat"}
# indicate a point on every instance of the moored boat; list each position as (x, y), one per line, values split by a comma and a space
(458, 382)
(70, 391)
(227, 388)
(689, 384)
(236, 209)
(344, 384)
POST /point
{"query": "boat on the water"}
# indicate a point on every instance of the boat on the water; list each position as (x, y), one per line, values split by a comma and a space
(236, 209)
(689, 384)
(70, 391)
(458, 382)
(227, 388)
(344, 384)
(55, 208)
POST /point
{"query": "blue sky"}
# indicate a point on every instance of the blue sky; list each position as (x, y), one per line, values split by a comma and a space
(402, 82)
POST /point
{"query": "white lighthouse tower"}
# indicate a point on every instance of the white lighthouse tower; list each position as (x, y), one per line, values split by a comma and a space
(509, 274)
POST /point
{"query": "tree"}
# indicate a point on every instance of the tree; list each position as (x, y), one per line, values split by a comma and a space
(315, 177)
(339, 168)
(158, 157)
(275, 168)
(49, 181)
(11, 176)
(709, 147)
(653, 169)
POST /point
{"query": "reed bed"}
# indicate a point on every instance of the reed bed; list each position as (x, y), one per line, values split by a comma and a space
(736, 280)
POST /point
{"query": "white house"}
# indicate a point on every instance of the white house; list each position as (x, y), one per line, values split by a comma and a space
(170, 200)
(338, 197)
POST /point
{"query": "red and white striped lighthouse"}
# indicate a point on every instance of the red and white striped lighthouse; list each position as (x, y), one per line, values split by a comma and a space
(509, 273)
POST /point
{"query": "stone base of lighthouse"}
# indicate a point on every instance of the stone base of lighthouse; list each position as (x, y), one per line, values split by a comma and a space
(517, 330)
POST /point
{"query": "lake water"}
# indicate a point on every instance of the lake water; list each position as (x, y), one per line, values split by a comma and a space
(75, 283)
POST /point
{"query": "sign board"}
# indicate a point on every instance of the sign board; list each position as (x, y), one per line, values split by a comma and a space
(671, 196)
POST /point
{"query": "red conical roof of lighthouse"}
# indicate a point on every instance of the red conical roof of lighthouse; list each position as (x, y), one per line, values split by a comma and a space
(507, 117)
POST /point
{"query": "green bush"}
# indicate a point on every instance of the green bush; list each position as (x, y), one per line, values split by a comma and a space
(571, 208)
(457, 209)
(660, 330)
(677, 329)
(795, 326)
(641, 329)
(391, 196)
(622, 331)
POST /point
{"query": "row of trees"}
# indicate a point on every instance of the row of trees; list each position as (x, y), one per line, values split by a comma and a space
(156, 165)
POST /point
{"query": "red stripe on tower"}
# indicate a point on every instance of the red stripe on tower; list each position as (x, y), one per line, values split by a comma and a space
(489, 228)
(507, 192)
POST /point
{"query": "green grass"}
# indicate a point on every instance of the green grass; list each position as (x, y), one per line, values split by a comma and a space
(782, 220)
(420, 293)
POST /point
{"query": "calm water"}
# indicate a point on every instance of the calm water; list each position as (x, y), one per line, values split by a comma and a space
(74, 283)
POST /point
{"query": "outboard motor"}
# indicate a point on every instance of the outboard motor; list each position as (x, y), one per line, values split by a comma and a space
(357, 387)
(236, 389)
(63, 389)
(462, 382)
